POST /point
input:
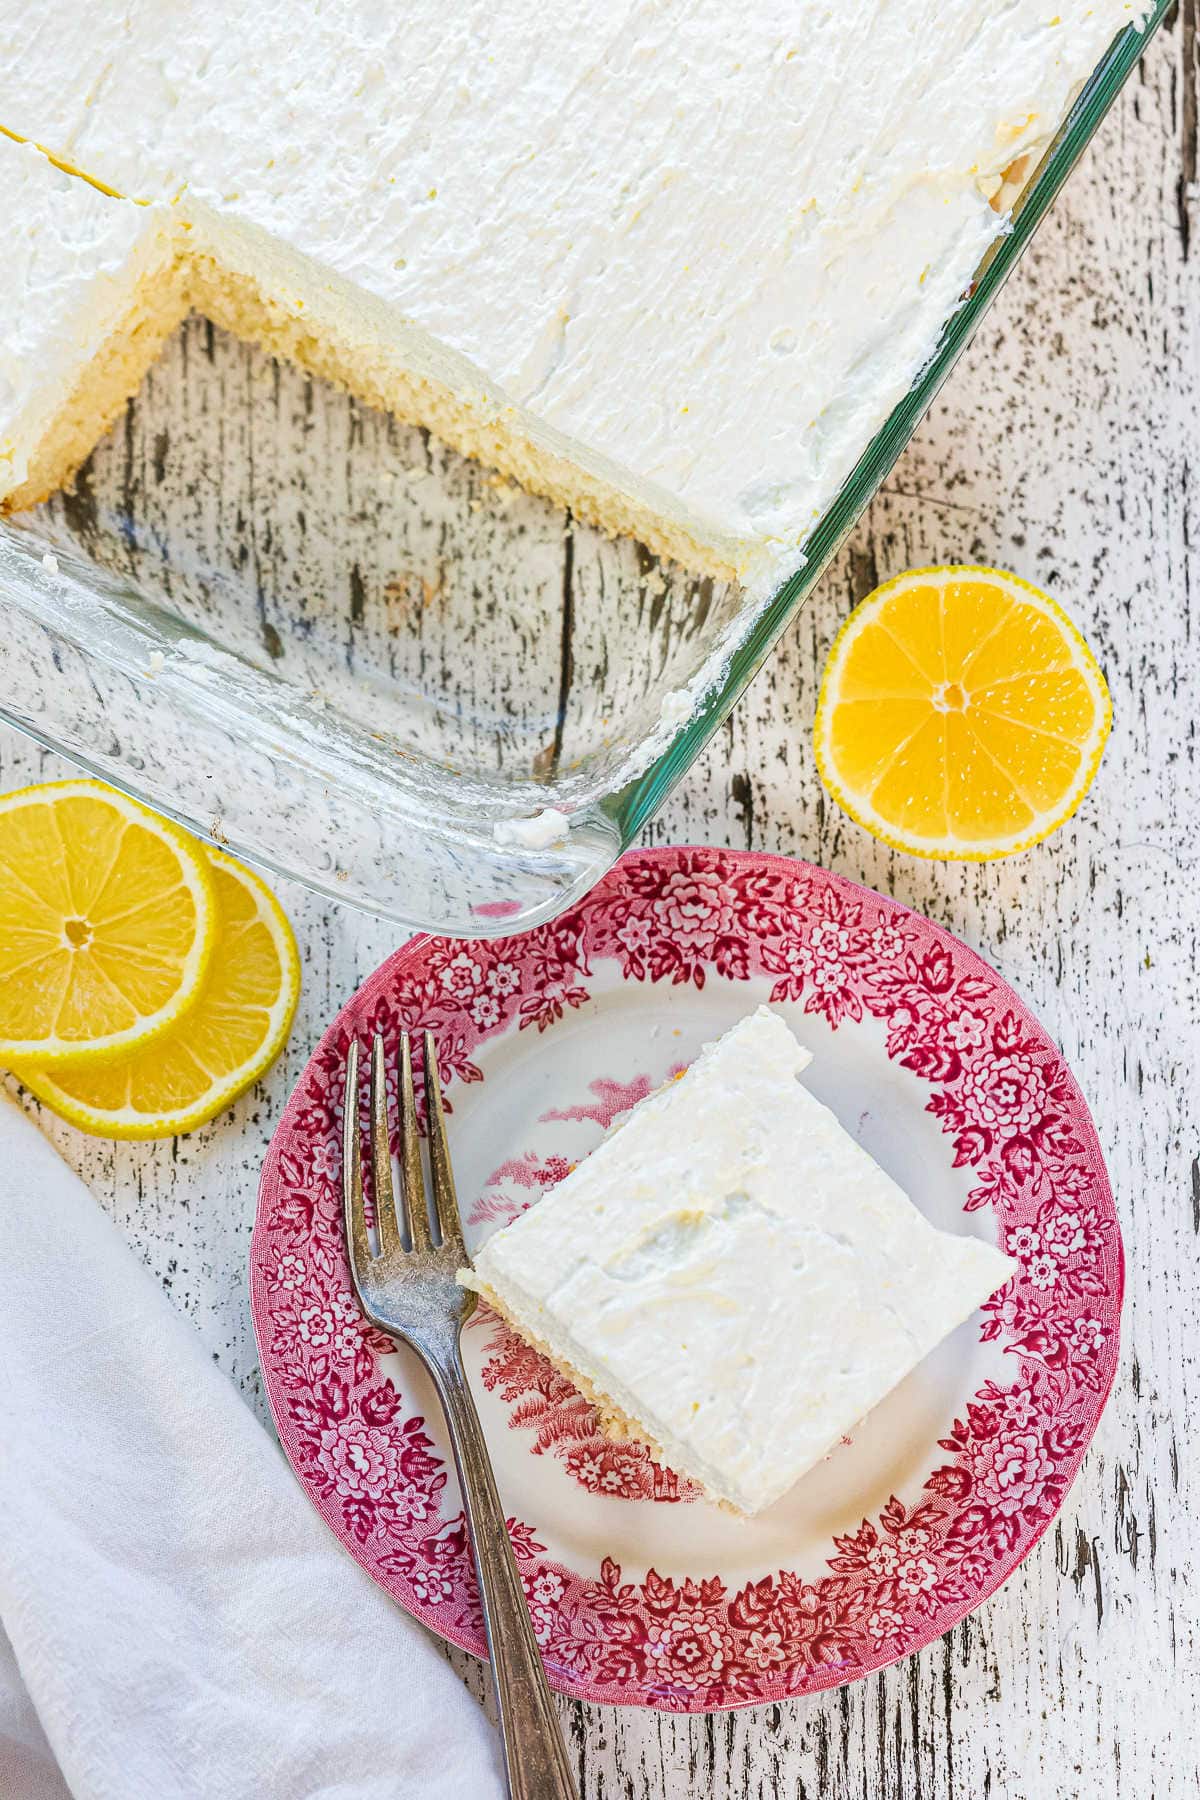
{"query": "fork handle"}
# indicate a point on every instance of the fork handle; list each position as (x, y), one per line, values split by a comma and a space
(535, 1757)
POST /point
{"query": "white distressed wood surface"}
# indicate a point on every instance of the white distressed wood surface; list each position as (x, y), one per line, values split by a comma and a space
(1067, 446)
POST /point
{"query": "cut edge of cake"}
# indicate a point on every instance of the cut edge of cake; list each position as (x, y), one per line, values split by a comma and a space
(93, 330)
(105, 384)
(265, 294)
(617, 1425)
(309, 316)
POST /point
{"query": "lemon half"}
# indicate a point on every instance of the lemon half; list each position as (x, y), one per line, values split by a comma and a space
(961, 714)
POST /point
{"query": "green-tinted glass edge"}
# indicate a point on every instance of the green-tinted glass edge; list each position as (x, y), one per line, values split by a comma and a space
(635, 804)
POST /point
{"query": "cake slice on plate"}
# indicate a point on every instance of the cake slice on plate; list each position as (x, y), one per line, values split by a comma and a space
(730, 1276)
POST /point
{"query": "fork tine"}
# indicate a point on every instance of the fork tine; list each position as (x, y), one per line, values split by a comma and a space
(412, 1178)
(357, 1246)
(445, 1202)
(381, 1156)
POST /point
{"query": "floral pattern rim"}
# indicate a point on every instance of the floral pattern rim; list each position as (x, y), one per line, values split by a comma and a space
(1001, 1093)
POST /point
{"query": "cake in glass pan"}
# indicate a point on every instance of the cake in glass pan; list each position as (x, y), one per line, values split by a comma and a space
(669, 262)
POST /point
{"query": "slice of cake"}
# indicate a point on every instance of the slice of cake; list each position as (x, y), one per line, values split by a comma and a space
(89, 290)
(670, 262)
(730, 1276)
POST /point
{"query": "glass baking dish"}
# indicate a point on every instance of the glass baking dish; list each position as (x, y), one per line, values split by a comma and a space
(320, 638)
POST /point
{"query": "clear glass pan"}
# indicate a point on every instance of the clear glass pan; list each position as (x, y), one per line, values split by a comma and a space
(320, 638)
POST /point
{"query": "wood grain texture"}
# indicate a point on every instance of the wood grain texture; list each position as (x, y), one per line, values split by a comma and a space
(1066, 446)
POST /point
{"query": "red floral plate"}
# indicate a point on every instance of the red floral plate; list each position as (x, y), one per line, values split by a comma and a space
(639, 1593)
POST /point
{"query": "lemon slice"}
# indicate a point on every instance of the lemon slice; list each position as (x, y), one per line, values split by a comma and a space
(961, 714)
(107, 922)
(235, 1030)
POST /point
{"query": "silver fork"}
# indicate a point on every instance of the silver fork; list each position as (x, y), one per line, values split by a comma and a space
(412, 1295)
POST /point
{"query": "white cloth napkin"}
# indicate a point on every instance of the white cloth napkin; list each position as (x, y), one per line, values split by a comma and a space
(175, 1621)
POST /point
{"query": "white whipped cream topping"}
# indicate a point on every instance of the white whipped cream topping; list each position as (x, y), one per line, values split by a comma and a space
(735, 1272)
(548, 827)
(704, 249)
(677, 707)
(72, 258)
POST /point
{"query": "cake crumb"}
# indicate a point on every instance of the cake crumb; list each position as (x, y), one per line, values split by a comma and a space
(548, 827)
(50, 563)
(676, 707)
